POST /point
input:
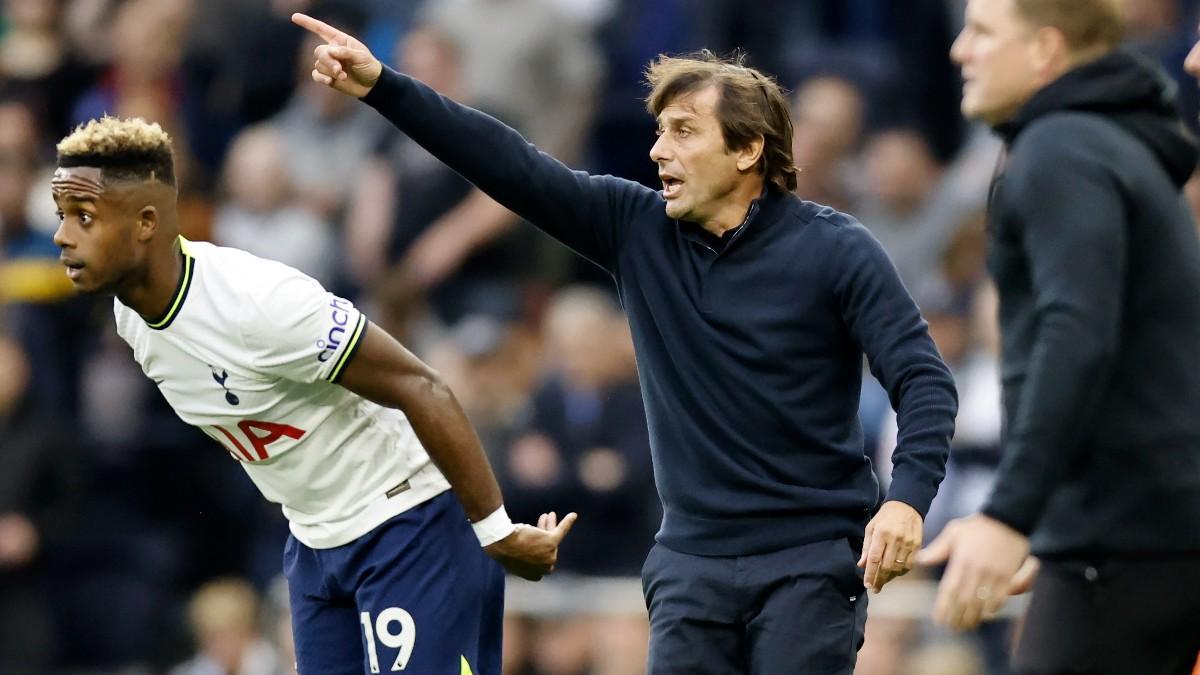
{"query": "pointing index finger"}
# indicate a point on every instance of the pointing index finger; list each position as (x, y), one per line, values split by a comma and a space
(318, 27)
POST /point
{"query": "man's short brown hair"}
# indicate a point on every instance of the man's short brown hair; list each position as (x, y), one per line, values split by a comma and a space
(751, 105)
(1086, 24)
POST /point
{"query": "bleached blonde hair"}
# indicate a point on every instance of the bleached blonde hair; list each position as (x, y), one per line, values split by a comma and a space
(123, 148)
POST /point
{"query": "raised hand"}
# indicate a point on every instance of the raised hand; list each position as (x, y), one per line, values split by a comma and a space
(343, 63)
(530, 552)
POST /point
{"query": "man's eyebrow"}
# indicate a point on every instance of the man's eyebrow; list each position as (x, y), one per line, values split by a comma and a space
(677, 118)
(71, 198)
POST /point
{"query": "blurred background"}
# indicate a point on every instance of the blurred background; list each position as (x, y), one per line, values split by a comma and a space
(129, 543)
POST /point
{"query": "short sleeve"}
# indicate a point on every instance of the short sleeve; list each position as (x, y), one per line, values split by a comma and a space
(301, 332)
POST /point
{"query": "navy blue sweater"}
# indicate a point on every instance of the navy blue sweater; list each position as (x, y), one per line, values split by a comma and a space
(750, 358)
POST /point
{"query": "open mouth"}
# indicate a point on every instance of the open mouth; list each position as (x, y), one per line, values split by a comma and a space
(74, 269)
(671, 186)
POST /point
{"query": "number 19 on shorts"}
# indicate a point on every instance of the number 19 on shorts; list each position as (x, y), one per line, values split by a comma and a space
(382, 629)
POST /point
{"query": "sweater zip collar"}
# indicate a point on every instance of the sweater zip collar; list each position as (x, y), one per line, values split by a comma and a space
(702, 237)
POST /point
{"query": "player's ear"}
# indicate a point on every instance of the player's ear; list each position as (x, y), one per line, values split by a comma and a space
(147, 223)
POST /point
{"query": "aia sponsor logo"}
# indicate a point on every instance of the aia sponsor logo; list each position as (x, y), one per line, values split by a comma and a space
(260, 435)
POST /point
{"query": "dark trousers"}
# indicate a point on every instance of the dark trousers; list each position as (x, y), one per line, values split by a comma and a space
(801, 610)
(1118, 617)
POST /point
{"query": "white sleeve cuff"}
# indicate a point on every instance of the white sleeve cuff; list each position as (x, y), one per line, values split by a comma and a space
(493, 528)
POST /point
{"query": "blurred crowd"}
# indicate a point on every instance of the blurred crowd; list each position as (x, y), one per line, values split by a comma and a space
(129, 543)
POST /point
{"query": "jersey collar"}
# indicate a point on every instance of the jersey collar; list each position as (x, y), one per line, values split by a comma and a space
(181, 290)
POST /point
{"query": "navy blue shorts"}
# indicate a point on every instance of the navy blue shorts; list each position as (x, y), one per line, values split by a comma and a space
(415, 595)
(800, 611)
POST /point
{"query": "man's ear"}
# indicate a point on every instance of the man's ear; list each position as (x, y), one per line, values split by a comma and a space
(147, 223)
(1049, 50)
(749, 155)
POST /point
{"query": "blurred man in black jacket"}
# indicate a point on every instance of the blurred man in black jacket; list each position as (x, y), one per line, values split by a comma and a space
(1097, 263)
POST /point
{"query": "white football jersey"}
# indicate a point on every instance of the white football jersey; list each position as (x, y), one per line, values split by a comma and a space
(250, 351)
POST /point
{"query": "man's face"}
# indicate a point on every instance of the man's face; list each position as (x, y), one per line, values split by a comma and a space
(95, 230)
(1192, 64)
(696, 167)
(995, 53)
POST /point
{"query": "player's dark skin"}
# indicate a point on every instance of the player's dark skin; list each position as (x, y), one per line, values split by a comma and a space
(121, 237)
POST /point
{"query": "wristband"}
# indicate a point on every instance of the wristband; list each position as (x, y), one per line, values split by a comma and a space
(493, 528)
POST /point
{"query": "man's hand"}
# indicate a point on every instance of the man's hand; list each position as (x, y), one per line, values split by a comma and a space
(982, 558)
(893, 535)
(1022, 581)
(530, 552)
(342, 62)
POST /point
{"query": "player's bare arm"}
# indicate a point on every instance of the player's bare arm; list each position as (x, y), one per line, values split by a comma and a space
(385, 372)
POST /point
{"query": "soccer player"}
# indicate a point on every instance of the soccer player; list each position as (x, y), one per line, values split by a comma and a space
(1097, 265)
(362, 444)
(751, 311)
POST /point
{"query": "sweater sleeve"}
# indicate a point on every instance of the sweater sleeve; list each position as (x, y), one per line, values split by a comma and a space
(590, 214)
(1068, 214)
(886, 325)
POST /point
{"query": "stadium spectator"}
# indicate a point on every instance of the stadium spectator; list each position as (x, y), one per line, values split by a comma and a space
(533, 65)
(633, 34)
(277, 622)
(828, 114)
(326, 138)
(147, 38)
(39, 488)
(264, 213)
(42, 313)
(37, 61)
(528, 62)
(224, 616)
(410, 211)
(909, 204)
(586, 448)
(1097, 265)
(494, 359)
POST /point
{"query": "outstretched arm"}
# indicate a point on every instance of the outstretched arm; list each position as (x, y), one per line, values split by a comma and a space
(590, 214)
(383, 371)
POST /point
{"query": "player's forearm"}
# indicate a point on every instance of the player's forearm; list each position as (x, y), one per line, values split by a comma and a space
(443, 429)
(383, 371)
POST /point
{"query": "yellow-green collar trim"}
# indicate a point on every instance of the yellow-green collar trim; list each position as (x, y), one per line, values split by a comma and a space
(181, 291)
